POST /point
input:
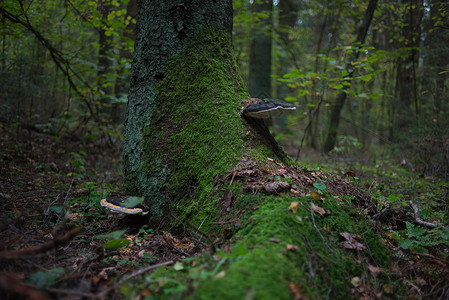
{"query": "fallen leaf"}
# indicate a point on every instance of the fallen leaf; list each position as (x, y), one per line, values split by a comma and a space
(294, 207)
(351, 243)
(420, 281)
(220, 274)
(350, 174)
(292, 247)
(388, 288)
(315, 195)
(318, 210)
(74, 216)
(355, 281)
(146, 292)
(348, 236)
(178, 266)
(276, 187)
(226, 200)
(275, 240)
(374, 270)
(295, 289)
(299, 218)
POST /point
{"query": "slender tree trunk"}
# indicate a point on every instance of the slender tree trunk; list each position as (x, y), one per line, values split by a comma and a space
(406, 65)
(121, 86)
(104, 63)
(437, 61)
(341, 98)
(259, 80)
(287, 19)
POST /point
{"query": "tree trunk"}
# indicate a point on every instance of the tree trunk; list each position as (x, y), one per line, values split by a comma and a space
(437, 60)
(406, 65)
(259, 80)
(183, 126)
(104, 64)
(121, 86)
(341, 98)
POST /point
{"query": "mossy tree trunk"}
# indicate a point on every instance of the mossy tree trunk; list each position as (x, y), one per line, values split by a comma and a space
(183, 125)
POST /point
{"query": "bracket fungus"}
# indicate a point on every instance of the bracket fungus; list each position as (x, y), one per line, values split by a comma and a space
(129, 205)
(266, 108)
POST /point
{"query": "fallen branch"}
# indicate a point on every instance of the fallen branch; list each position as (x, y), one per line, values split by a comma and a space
(56, 242)
(418, 218)
(142, 271)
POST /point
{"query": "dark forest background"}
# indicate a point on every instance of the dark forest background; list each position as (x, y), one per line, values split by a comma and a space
(64, 68)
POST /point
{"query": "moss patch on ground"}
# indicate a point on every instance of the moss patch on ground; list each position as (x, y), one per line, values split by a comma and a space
(280, 250)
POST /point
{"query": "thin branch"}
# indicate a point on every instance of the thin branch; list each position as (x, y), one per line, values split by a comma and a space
(103, 294)
(418, 219)
(319, 232)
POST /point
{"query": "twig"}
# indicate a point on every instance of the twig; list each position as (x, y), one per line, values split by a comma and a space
(144, 270)
(212, 244)
(56, 242)
(135, 274)
(418, 218)
(319, 232)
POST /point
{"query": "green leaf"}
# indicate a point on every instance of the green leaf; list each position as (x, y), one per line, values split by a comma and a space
(320, 186)
(414, 231)
(46, 278)
(178, 266)
(405, 244)
(111, 235)
(116, 244)
(366, 78)
(133, 201)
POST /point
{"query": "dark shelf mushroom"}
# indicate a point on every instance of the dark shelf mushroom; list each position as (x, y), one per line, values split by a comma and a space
(266, 108)
(129, 205)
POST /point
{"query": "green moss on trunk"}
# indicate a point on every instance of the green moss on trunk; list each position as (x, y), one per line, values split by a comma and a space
(198, 133)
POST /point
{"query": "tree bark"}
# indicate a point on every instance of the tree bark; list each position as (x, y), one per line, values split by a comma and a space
(341, 98)
(183, 126)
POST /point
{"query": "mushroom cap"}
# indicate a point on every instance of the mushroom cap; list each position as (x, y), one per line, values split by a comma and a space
(266, 108)
(129, 205)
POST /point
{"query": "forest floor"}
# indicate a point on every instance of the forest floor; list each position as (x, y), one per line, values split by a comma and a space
(57, 242)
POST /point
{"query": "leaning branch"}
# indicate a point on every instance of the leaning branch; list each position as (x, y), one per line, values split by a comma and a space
(57, 57)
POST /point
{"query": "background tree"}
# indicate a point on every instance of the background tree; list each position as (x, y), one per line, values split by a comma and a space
(341, 98)
(259, 80)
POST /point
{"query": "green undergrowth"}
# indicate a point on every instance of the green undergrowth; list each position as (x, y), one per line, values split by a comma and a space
(393, 187)
(278, 250)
